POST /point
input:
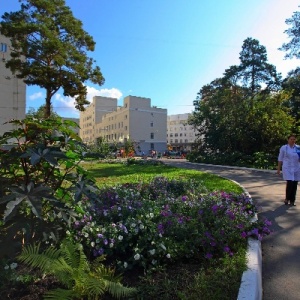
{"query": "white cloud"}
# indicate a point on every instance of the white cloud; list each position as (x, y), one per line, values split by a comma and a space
(38, 95)
(113, 93)
(65, 106)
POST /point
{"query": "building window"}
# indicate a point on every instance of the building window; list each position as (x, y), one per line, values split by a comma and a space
(151, 124)
(152, 146)
(151, 135)
(3, 47)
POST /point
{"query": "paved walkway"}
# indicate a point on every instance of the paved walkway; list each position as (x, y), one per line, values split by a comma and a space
(281, 249)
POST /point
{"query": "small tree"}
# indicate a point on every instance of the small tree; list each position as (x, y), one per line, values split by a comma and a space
(49, 49)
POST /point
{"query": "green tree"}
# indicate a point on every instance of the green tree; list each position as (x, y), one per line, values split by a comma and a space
(40, 112)
(292, 48)
(292, 84)
(254, 71)
(49, 49)
(230, 129)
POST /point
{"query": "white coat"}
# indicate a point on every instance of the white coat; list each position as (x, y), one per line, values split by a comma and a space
(290, 162)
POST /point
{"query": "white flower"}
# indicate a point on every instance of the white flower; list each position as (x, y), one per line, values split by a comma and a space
(6, 267)
(168, 255)
(137, 257)
(160, 235)
(125, 264)
(152, 252)
(133, 225)
(154, 261)
(142, 226)
(86, 235)
(120, 237)
(111, 245)
(13, 265)
(151, 215)
(93, 244)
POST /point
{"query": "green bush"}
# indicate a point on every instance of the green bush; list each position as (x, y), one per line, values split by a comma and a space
(40, 178)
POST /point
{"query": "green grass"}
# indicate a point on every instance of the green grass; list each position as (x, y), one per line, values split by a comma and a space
(117, 173)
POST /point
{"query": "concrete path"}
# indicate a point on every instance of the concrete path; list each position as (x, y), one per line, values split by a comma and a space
(281, 249)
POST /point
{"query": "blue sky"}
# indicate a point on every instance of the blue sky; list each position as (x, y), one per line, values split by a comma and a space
(167, 50)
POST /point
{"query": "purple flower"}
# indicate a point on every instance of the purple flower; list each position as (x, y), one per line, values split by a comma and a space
(208, 255)
(243, 234)
(230, 214)
(226, 249)
(184, 198)
(267, 222)
(215, 208)
(160, 228)
(98, 252)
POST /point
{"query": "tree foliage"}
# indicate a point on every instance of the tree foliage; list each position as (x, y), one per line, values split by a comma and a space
(292, 48)
(254, 72)
(49, 49)
(244, 112)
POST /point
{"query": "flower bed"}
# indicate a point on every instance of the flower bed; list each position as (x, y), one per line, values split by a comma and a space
(165, 221)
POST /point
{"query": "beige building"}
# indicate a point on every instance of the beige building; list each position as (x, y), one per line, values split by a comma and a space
(12, 90)
(180, 135)
(136, 121)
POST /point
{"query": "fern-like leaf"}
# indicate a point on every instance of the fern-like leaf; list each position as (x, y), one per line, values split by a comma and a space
(59, 294)
(117, 290)
(31, 256)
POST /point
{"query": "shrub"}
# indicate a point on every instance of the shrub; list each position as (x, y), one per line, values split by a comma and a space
(40, 178)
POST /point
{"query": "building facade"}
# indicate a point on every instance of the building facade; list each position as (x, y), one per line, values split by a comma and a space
(12, 90)
(136, 120)
(180, 135)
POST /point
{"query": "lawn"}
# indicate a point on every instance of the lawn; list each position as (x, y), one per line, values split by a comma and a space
(118, 173)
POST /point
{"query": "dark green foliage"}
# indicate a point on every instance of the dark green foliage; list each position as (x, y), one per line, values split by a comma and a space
(291, 84)
(242, 113)
(71, 267)
(41, 178)
(55, 48)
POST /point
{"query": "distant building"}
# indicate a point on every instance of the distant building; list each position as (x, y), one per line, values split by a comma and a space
(136, 121)
(92, 115)
(12, 90)
(180, 135)
(76, 120)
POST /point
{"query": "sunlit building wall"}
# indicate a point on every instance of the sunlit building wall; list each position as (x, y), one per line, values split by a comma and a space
(180, 135)
(12, 90)
(136, 120)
